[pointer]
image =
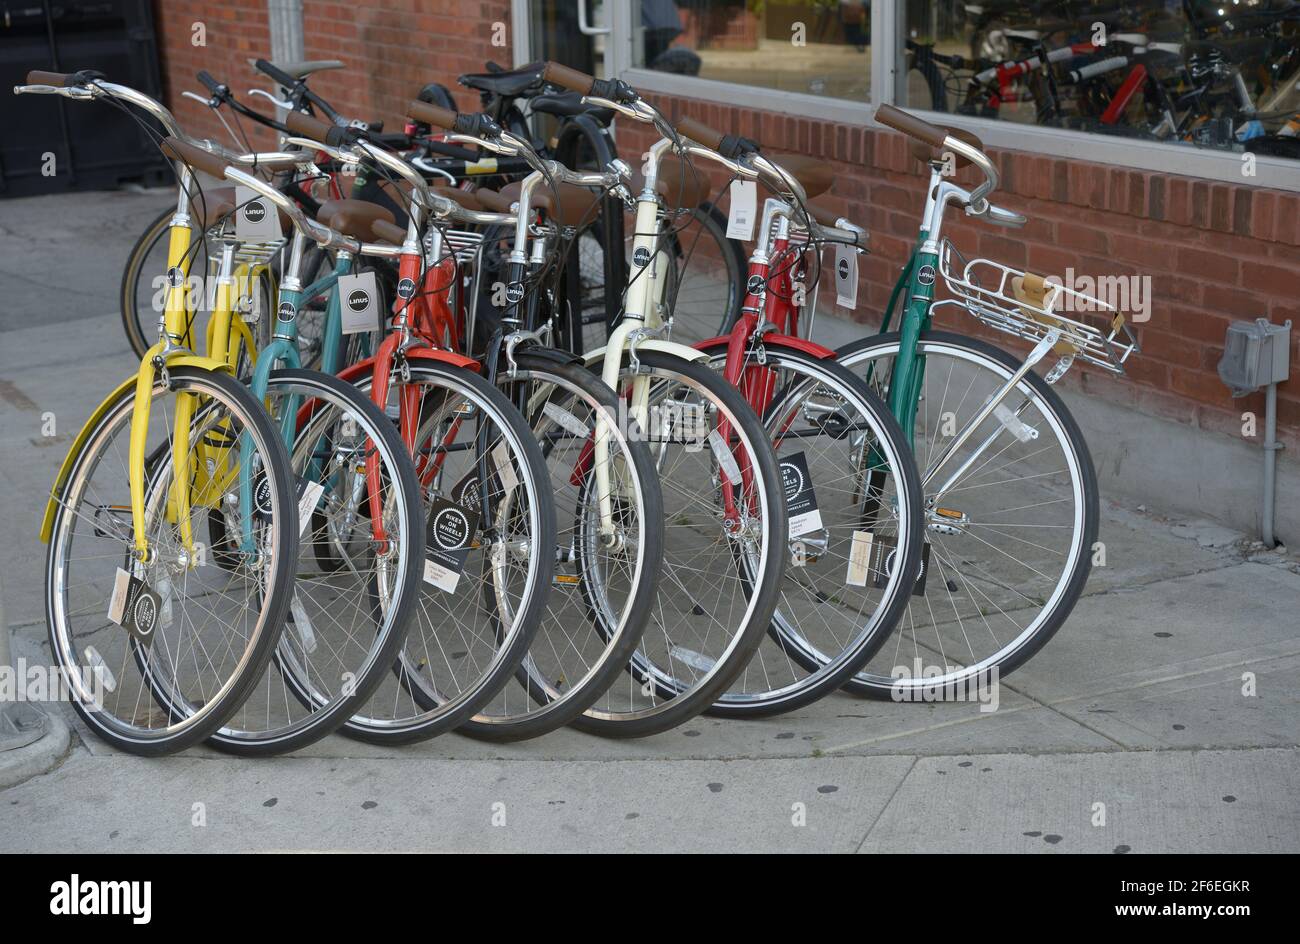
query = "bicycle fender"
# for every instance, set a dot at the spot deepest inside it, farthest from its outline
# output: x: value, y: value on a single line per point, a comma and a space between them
x: 594, y: 358
x: 184, y: 360
x: 803, y: 345
x: 47, y: 522
x: 552, y: 354
x: 362, y: 367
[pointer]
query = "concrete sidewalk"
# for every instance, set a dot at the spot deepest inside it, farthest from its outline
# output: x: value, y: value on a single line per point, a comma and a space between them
x: 1131, y: 731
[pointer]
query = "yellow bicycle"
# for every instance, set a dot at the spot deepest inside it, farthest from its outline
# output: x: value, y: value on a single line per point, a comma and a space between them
x: 168, y: 574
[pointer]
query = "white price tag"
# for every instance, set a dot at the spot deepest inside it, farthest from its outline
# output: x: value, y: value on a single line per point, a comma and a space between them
x: 744, y: 206
x: 256, y: 218
x: 359, y: 299
x: 846, y: 277
x: 726, y: 461
x: 859, y: 559
x: 311, y: 493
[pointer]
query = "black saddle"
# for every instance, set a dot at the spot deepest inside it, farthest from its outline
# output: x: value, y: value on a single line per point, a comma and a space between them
x: 569, y: 105
x: 508, y: 83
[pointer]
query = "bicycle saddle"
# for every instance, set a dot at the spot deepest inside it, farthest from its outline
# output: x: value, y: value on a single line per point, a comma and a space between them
x: 569, y: 204
x: 355, y: 218
x: 814, y: 175
x: 508, y: 83
x: 569, y: 105
x: 300, y: 70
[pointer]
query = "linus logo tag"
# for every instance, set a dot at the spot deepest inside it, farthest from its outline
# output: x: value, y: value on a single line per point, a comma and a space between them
x: 76, y: 897
x: 255, y: 212
x: 358, y: 300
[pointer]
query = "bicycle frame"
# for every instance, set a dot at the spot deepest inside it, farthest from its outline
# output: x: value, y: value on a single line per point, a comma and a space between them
x: 640, y: 326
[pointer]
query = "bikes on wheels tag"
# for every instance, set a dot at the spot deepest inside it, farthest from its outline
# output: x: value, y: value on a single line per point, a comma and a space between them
x: 134, y: 606
x: 800, y: 499
x: 448, y: 540
x: 884, y: 556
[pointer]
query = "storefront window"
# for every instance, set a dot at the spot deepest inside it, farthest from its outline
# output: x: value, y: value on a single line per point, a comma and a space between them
x: 1222, y: 74
x: 818, y: 47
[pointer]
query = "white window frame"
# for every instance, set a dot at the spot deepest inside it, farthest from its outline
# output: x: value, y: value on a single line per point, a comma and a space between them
x: 1205, y: 163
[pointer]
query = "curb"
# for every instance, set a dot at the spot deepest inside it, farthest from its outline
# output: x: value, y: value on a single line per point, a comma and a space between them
x: 38, y: 757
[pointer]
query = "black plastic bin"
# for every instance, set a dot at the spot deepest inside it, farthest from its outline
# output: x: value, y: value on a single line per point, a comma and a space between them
x: 95, y: 146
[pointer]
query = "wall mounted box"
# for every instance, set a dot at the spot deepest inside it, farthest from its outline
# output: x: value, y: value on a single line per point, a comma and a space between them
x: 1255, y: 354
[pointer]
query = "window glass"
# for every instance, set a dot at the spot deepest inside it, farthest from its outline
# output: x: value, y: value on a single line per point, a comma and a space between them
x: 818, y: 47
x: 1223, y: 74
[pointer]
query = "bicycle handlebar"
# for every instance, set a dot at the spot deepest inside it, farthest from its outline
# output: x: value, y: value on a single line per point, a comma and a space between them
x: 911, y: 125
x: 698, y: 131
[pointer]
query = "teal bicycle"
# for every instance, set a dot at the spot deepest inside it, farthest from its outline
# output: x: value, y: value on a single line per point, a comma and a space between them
x: 1011, y: 497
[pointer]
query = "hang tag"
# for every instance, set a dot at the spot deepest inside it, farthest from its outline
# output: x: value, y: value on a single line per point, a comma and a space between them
x: 134, y: 606
x: 726, y: 461
x: 744, y: 206
x: 846, y: 277
x: 449, y: 537
x: 859, y: 559
x: 466, y: 491
x: 256, y: 219
x: 309, y: 494
x: 359, y: 300
x: 884, y: 557
x: 800, y: 499
x: 563, y: 418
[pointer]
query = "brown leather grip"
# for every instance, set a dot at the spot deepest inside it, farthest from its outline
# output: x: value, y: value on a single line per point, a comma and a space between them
x: 57, y: 79
x: 493, y: 202
x: 196, y: 157
x: 564, y: 77
x: 697, y: 131
x: 910, y: 125
x: 389, y: 232
x: 306, y: 126
x: 433, y: 115
x: 822, y: 215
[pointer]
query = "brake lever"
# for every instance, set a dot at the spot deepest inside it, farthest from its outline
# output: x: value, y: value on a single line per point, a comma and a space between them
x: 278, y: 103
x: 195, y: 96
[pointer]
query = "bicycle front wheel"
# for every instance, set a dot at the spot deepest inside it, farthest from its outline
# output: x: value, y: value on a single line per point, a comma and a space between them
x: 1011, y: 519
x: 607, y: 570
x: 724, y: 548
x: 856, y: 535
x: 484, y: 484
x: 358, y: 572
x: 203, y: 627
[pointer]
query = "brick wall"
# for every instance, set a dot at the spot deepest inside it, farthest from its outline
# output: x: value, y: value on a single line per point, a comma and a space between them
x: 1214, y: 251
x: 390, y: 51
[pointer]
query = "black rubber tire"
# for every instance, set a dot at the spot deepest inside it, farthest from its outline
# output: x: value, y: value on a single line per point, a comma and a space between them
x: 562, y: 711
x: 670, y: 713
x: 327, y: 721
x: 508, y: 664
